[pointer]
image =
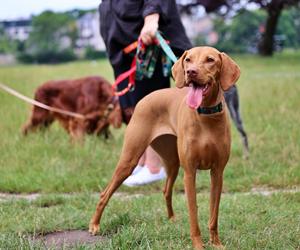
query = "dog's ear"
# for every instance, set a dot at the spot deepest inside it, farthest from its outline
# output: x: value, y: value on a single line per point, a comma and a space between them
x: 178, y: 71
x: 230, y: 72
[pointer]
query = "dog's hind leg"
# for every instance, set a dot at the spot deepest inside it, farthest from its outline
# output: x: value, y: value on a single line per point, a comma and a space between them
x: 166, y: 147
x: 135, y: 143
x: 40, y: 118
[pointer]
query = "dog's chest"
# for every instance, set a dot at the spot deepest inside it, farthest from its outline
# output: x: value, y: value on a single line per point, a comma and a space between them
x: 205, y: 147
x: 206, y: 153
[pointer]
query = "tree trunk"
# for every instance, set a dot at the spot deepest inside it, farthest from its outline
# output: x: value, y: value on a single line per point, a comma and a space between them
x: 266, y: 45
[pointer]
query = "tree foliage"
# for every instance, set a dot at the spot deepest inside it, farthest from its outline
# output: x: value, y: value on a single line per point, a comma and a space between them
x: 6, y: 44
x: 273, y: 9
x: 52, y: 34
x: 49, y: 29
x: 243, y: 32
x: 289, y: 26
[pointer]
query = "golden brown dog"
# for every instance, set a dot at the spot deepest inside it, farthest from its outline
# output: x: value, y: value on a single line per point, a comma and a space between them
x: 187, y: 127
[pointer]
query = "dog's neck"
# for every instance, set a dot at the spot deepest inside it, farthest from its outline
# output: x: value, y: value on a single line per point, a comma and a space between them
x: 210, y: 110
x: 215, y: 97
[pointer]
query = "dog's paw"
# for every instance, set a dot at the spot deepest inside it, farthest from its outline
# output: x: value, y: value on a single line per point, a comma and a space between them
x: 246, y: 155
x: 215, y: 240
x: 172, y: 218
x: 217, y: 245
x: 197, y: 243
x: 93, y: 228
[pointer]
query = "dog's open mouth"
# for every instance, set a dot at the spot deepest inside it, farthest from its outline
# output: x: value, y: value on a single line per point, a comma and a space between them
x: 196, y: 94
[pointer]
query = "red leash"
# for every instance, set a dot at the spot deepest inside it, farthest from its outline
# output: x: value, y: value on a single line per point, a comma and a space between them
x: 128, y: 74
x: 132, y: 71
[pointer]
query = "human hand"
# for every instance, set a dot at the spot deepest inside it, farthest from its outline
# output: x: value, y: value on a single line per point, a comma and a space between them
x: 149, y: 29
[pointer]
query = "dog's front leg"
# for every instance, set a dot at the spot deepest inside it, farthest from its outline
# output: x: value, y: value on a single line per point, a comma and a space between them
x: 76, y: 131
x: 190, y: 190
x: 216, y: 176
x: 123, y: 170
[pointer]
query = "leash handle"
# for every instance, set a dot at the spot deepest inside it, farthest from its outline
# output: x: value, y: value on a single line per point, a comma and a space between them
x: 39, y: 104
x: 131, y: 73
x: 166, y: 48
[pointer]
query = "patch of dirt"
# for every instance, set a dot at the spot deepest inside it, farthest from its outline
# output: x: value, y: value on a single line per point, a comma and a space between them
x: 59, y: 240
x: 35, y: 196
x: 269, y: 191
x: 29, y: 197
x: 265, y: 191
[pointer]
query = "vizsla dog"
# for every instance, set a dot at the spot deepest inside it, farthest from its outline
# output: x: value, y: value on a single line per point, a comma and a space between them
x: 185, y: 126
x: 90, y: 96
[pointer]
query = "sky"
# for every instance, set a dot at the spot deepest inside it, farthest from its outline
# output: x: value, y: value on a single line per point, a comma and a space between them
x: 12, y: 9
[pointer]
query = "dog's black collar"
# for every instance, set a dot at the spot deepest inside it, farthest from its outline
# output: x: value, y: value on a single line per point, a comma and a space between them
x: 210, y: 110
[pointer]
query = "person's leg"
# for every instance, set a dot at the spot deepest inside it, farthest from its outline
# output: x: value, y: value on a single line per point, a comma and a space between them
x: 152, y: 161
x: 152, y: 167
x: 151, y: 171
x: 142, y: 159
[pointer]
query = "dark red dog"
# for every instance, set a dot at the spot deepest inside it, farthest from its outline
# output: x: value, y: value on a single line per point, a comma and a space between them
x: 90, y: 96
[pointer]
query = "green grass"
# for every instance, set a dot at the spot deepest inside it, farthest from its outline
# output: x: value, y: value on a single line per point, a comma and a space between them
x: 246, y: 221
x: 47, y: 162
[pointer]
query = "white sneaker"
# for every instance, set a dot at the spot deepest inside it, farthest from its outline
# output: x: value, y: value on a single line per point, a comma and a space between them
x: 144, y: 176
x: 137, y: 169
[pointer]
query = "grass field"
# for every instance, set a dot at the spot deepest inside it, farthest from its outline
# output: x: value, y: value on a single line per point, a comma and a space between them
x: 47, y: 163
x: 246, y: 222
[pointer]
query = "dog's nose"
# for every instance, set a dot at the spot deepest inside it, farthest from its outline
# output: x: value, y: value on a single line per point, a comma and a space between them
x: 191, y: 72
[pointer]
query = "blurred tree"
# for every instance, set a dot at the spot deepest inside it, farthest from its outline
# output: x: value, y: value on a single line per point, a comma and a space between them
x: 289, y: 26
x: 241, y: 33
x: 52, y: 38
x: 51, y: 31
x: 6, y: 44
x: 273, y: 9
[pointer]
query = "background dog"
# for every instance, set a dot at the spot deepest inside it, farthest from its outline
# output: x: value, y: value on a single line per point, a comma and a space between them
x: 90, y: 96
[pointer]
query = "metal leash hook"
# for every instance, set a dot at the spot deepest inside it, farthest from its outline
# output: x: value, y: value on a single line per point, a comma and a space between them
x: 132, y: 87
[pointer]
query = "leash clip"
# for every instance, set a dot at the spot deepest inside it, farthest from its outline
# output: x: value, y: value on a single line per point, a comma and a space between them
x: 131, y: 87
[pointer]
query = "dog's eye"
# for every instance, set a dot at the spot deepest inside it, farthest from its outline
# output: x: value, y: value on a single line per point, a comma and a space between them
x: 187, y: 59
x: 210, y: 59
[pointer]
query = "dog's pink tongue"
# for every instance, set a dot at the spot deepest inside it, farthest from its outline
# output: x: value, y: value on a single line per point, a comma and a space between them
x: 194, y: 97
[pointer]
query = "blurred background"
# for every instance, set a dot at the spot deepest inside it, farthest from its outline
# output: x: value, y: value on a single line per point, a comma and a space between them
x: 59, y: 31
x: 260, y: 205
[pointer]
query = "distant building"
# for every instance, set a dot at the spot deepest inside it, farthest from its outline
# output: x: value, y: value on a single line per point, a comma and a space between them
x: 17, y: 29
x: 196, y: 26
x: 89, y: 32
